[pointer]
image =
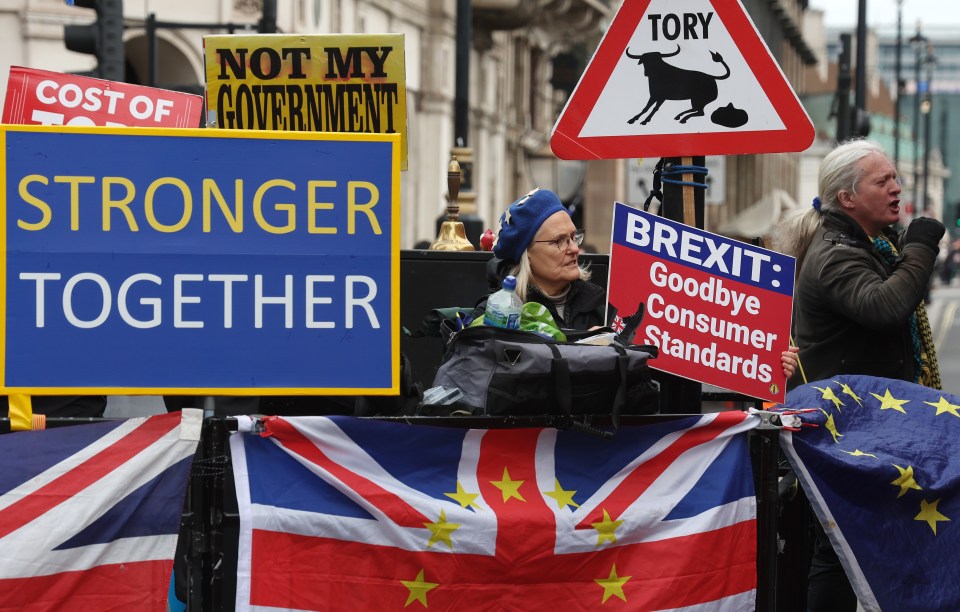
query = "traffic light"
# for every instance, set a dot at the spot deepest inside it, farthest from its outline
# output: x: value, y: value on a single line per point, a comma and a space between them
x: 859, y: 122
x: 102, y: 38
x: 268, y: 19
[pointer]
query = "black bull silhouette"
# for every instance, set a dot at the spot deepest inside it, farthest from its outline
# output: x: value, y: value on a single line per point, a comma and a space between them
x: 672, y: 83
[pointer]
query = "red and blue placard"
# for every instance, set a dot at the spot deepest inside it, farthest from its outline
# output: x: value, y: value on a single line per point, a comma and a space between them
x: 718, y: 309
x: 163, y: 261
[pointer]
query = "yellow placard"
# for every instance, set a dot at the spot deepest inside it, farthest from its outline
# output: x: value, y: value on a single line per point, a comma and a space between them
x: 308, y: 83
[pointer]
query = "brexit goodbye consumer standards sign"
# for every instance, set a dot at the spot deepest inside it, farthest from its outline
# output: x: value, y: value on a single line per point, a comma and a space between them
x: 198, y: 261
x: 718, y: 309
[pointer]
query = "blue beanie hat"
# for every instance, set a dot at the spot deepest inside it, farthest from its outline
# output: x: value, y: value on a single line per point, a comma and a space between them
x: 520, y: 223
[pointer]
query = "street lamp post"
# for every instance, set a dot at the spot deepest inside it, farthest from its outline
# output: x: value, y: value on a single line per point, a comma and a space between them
x: 918, y: 41
x: 461, y: 152
x: 843, y: 89
x: 926, y: 109
x: 860, y: 95
x: 899, y: 79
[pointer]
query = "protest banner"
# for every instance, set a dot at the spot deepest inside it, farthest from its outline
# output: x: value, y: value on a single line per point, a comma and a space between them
x: 313, y: 83
x: 718, y: 309
x: 877, y: 456
x: 41, y: 97
x: 224, y: 265
x: 359, y: 514
x: 89, y: 515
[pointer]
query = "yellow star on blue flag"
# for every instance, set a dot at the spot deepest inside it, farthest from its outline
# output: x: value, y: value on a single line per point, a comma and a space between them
x: 889, y: 402
x: 895, y: 527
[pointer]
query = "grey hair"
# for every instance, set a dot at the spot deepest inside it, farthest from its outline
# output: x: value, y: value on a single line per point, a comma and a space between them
x: 839, y: 171
x: 524, y: 275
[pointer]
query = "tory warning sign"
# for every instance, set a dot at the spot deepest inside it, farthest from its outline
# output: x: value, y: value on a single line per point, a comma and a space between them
x: 681, y: 78
x: 718, y: 309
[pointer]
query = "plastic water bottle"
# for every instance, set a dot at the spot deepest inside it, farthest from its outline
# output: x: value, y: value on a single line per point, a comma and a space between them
x: 503, y: 307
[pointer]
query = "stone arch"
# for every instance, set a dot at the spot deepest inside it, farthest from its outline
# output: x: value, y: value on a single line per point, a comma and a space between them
x: 179, y: 63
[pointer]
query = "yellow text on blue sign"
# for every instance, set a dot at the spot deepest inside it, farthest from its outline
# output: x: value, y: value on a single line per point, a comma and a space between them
x: 227, y: 262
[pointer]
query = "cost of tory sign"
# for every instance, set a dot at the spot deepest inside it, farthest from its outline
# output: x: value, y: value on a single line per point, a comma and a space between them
x: 95, y: 100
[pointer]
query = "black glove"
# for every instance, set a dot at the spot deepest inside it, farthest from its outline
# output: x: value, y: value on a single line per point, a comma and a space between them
x: 925, y: 231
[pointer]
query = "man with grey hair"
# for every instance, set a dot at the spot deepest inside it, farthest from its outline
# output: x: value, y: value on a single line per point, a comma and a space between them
x: 859, y: 299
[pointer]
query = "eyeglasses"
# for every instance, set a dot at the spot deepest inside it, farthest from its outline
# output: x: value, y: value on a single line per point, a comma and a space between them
x: 563, y: 242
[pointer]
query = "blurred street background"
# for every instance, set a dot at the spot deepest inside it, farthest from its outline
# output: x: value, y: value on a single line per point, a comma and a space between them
x: 942, y: 311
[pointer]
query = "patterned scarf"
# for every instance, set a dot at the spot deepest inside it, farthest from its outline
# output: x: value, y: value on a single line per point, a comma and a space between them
x: 924, y: 352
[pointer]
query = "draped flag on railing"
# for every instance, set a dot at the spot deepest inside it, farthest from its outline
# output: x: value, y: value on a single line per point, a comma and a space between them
x: 882, y: 472
x: 89, y: 514
x: 348, y: 514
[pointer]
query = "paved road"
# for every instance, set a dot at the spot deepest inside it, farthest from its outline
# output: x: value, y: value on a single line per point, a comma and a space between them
x: 945, y: 324
x: 128, y: 406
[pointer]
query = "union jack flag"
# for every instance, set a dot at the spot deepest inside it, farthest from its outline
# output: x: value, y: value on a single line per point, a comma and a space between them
x: 618, y: 324
x: 341, y: 513
x: 89, y: 514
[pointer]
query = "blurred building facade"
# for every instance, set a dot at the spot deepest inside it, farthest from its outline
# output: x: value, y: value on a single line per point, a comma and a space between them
x: 939, y: 61
x: 752, y: 180
x: 525, y: 58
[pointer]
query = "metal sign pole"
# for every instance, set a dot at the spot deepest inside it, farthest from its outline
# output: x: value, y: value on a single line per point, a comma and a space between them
x: 683, y: 203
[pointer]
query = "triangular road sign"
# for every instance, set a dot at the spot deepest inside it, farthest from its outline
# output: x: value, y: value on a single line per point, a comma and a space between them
x: 675, y: 78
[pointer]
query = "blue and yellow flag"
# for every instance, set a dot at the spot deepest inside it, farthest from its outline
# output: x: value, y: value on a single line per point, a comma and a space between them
x: 883, y: 475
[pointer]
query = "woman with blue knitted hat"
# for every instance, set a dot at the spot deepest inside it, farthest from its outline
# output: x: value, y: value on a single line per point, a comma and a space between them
x: 538, y: 243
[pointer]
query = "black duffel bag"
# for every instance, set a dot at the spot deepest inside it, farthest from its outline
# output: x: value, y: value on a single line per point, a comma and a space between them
x: 510, y: 372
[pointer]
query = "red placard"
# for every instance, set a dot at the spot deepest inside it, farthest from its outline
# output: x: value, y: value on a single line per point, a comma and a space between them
x: 40, y: 97
x: 718, y: 309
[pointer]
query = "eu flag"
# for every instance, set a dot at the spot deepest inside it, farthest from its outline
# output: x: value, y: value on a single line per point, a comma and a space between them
x: 883, y: 475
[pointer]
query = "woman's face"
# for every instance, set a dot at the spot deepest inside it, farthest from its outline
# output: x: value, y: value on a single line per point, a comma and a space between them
x: 553, y: 269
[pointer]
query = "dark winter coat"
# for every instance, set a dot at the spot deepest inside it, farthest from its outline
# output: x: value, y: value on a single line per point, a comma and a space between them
x: 851, y: 309
x: 585, y: 306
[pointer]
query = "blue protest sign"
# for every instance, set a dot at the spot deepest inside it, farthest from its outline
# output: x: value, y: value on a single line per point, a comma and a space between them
x: 198, y: 261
